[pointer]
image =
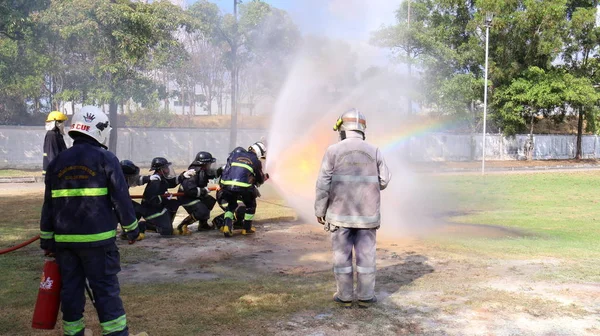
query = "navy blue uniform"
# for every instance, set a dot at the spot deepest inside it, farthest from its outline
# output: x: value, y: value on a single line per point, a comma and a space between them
x: 241, y: 175
x: 158, y: 211
x: 196, y: 200
x: 86, y: 195
x: 53, y: 145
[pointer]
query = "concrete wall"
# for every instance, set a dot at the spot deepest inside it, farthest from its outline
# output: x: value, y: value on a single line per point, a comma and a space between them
x: 21, y: 146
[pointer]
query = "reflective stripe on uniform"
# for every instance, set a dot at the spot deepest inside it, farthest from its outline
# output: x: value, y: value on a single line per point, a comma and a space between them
x: 79, y: 192
x: 342, y: 270
x: 361, y: 269
x: 46, y: 234
x: 353, y: 219
x: 248, y: 217
x: 131, y: 227
x: 236, y: 183
x: 72, y: 328
x: 115, y: 325
x: 84, y: 238
x: 156, y: 214
x: 45, y: 154
x: 229, y: 214
x: 191, y: 203
x: 355, y: 178
x: 243, y: 165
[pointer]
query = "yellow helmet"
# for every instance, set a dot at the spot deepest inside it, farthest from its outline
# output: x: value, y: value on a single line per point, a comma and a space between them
x: 56, y: 116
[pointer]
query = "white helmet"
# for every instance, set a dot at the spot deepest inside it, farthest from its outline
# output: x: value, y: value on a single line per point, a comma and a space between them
x: 351, y: 120
x: 259, y: 148
x: 92, y: 122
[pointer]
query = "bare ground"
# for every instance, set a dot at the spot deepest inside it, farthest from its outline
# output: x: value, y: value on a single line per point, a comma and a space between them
x: 421, y: 292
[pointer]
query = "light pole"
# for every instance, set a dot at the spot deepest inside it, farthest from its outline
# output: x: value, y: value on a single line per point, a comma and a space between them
x: 488, y: 23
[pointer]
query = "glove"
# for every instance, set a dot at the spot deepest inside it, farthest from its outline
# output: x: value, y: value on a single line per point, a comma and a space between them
x: 321, y: 220
x: 266, y: 176
x: 155, y: 177
x: 48, y: 246
x: 169, y: 196
x: 189, y: 173
x: 219, y: 171
x: 202, y: 191
x: 132, y: 236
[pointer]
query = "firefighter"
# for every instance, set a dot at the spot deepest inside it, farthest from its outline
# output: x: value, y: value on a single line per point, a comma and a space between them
x: 240, y: 179
x: 85, y: 188
x: 133, y: 178
x: 158, y: 206
x: 197, y: 202
x: 352, y: 174
x: 53, y: 142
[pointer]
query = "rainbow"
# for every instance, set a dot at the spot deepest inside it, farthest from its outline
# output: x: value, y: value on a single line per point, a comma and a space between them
x: 389, y: 142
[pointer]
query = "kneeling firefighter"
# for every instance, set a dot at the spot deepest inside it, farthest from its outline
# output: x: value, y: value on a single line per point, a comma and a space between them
x: 134, y: 179
x: 241, y: 176
x: 159, y: 211
x: 196, y: 200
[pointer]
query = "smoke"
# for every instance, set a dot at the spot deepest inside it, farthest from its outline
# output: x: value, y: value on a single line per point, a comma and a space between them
x: 327, y: 78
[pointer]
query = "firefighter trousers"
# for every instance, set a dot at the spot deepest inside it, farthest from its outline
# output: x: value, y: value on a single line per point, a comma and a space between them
x: 362, y: 241
x: 248, y: 197
x: 100, y: 266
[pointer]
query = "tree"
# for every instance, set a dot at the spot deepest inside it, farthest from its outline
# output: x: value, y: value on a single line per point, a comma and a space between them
x: 117, y: 39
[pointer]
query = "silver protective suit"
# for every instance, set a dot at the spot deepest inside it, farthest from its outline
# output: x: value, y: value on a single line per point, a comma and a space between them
x: 352, y: 174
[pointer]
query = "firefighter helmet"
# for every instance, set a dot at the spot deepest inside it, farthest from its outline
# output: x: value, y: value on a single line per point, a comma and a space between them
x: 129, y: 168
x: 92, y: 122
x: 259, y: 149
x: 56, y: 116
x: 203, y: 158
x: 351, y: 120
x: 158, y: 163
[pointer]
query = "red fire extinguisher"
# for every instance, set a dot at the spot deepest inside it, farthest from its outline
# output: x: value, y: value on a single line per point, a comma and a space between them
x: 48, y: 300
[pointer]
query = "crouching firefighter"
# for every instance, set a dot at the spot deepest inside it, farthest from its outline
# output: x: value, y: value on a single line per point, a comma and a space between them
x: 133, y: 178
x: 85, y: 188
x: 158, y: 210
x: 240, y: 179
x: 196, y: 200
x: 347, y: 202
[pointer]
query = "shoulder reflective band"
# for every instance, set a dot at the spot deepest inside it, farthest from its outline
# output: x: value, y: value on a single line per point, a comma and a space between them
x: 236, y: 164
x: 354, y: 178
x: 46, y: 234
x: 79, y: 192
x: 131, y: 227
x: 236, y: 183
x: 85, y: 238
x: 118, y: 324
x: 156, y: 214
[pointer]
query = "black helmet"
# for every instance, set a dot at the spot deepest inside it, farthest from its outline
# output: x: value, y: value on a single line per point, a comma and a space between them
x: 158, y: 163
x: 129, y: 168
x: 203, y: 158
x: 239, y: 150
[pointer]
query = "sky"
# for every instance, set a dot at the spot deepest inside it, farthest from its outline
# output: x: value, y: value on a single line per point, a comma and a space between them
x: 345, y: 19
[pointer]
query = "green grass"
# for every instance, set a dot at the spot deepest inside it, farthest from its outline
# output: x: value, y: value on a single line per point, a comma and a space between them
x: 19, y: 173
x: 560, y: 212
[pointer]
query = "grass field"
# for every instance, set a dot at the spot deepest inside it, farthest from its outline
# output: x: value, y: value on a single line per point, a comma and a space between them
x: 543, y: 281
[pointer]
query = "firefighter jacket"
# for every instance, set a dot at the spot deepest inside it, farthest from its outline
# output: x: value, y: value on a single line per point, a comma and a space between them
x: 242, y: 171
x: 350, y: 179
x: 152, y: 199
x: 193, y: 188
x: 86, y: 195
x: 53, y: 145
